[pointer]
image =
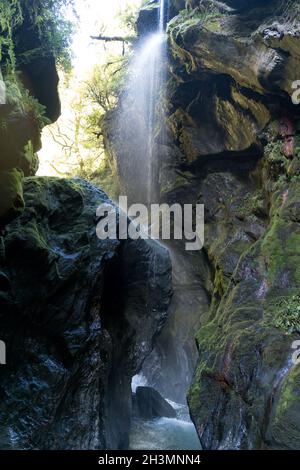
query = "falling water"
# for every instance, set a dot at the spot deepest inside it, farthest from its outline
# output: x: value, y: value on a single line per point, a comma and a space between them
x: 140, y: 120
x: 140, y: 114
x: 162, y: 16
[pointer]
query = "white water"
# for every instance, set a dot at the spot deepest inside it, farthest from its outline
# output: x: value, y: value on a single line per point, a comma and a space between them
x: 163, y: 433
x: 140, y: 118
x: 138, y: 381
x: 141, y: 112
x: 162, y: 16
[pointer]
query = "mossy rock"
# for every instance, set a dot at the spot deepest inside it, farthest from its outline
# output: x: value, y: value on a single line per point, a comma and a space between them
x: 11, y: 195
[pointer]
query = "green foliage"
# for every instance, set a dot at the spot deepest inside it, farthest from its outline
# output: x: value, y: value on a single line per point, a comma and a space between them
x: 128, y: 18
x: 81, y: 137
x: 10, y: 18
x: 297, y: 146
x: 281, y: 182
x: 282, y: 169
x: 250, y: 203
x: 100, y: 95
x: 47, y: 31
x: 22, y: 102
x: 103, y: 175
x: 287, y: 316
x: 274, y: 151
x: 276, y: 162
x: 104, y: 85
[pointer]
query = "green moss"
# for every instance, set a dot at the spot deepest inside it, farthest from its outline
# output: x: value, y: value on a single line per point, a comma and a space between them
x: 11, y: 195
x: 181, y: 180
x: 194, y: 21
x: 276, y: 161
x: 213, y: 25
x: 250, y: 203
x: 289, y: 394
x: 32, y: 232
x: 219, y: 283
x: 206, y: 333
x: 286, y: 314
x: 149, y: 6
x: 204, y: 15
x: 281, y: 249
x: 31, y: 158
x: 194, y: 393
x: 22, y: 102
x: 273, y: 151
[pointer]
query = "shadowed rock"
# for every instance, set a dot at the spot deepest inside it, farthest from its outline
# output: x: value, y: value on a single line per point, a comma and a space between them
x: 150, y: 404
x: 78, y: 316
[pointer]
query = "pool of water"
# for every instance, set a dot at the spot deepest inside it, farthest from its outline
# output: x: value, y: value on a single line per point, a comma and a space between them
x: 165, y: 433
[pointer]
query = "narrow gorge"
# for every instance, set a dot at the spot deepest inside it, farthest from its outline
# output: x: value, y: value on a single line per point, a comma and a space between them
x: 141, y: 344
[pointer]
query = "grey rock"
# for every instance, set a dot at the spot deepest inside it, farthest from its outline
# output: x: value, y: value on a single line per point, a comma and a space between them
x: 78, y: 316
x: 150, y: 404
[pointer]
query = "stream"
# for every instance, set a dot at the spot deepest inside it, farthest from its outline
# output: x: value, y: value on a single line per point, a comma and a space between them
x: 163, y: 433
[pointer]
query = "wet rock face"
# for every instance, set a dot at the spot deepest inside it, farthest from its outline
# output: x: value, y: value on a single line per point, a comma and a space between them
x: 148, y: 18
x: 78, y: 316
x: 229, y: 65
x: 40, y: 77
x: 229, y: 93
x: 245, y: 347
x: 170, y: 366
x: 240, y: 5
x: 243, y: 4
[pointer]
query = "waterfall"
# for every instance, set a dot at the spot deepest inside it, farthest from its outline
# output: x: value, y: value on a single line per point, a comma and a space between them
x: 140, y: 121
x: 140, y: 115
x: 162, y: 16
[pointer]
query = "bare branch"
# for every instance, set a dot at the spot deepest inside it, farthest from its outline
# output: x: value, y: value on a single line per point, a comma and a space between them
x: 111, y: 38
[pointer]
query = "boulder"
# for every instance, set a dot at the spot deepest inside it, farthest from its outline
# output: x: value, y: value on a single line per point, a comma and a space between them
x: 150, y: 404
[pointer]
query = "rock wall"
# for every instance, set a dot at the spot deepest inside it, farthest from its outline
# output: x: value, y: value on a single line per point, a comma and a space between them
x: 78, y: 316
x: 30, y: 99
x: 234, y: 134
x: 170, y: 366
